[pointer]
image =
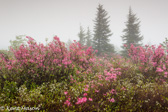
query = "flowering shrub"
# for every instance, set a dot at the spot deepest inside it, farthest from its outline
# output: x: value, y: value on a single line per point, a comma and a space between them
x: 152, y: 61
x: 38, y: 63
x: 53, y: 78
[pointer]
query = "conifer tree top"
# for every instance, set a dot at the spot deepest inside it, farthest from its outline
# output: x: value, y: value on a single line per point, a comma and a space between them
x: 102, y: 32
x: 131, y: 32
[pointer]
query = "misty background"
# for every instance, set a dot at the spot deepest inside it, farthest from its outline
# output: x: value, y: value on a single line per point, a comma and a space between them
x: 42, y: 19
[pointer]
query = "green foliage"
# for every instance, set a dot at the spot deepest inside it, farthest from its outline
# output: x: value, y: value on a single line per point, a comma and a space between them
x: 15, y: 44
x: 8, y: 93
x: 7, y: 54
x: 102, y: 32
x: 142, y: 97
x: 165, y: 44
x: 86, y: 86
x: 133, y: 93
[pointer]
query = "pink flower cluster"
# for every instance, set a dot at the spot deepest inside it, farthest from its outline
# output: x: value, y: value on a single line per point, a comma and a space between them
x: 112, y: 100
x: 83, y: 100
x: 150, y: 58
x: 67, y: 102
x: 53, y: 58
x: 148, y: 55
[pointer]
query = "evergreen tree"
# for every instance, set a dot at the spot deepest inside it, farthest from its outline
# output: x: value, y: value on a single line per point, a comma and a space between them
x: 81, y: 36
x: 88, y: 38
x: 102, y: 32
x: 132, y: 33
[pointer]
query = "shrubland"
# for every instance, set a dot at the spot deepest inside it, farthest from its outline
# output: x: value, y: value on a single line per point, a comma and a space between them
x: 55, y: 78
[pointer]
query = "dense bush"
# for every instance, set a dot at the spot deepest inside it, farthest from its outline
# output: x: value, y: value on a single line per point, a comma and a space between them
x: 37, y: 63
x: 152, y: 61
x: 56, y: 79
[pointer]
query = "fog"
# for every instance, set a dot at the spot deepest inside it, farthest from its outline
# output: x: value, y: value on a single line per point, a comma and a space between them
x: 42, y: 19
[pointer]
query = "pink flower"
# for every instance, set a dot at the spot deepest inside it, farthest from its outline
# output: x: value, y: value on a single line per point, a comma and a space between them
x: 165, y: 74
x: 104, y: 94
x: 96, y: 51
x: 30, y: 38
x: 56, y: 38
x: 112, y: 100
x: 146, y: 45
x: 159, y: 70
x: 65, y: 92
x: 86, y: 89
x: 85, y: 94
x: 69, y: 98
x: 90, y: 99
x: 112, y: 91
x: 125, y: 45
x: 96, y: 91
x: 84, y: 99
x: 81, y: 100
x: 67, y: 103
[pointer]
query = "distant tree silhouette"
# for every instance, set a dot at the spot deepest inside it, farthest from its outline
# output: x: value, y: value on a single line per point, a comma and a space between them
x: 131, y: 33
x: 88, y: 38
x: 81, y: 36
x: 102, y: 32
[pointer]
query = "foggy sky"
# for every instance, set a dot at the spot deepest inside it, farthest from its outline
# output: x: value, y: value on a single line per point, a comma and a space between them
x: 42, y: 19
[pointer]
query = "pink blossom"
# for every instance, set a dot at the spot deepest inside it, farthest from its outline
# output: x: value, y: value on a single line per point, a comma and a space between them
x: 56, y: 38
x: 112, y: 91
x: 87, y: 86
x: 86, y: 89
x: 81, y: 100
x: 96, y: 91
x: 164, y: 67
x: 67, y: 103
x: 90, y: 99
x: 112, y: 100
x: 85, y: 94
x: 96, y: 51
x: 146, y: 45
x: 159, y: 70
x: 65, y: 92
x: 165, y: 74
x: 125, y: 45
x: 104, y: 94
x: 69, y: 98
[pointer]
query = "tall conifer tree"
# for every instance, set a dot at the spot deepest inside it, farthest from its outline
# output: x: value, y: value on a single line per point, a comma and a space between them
x: 132, y: 33
x: 81, y: 36
x: 88, y: 38
x: 102, y: 32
